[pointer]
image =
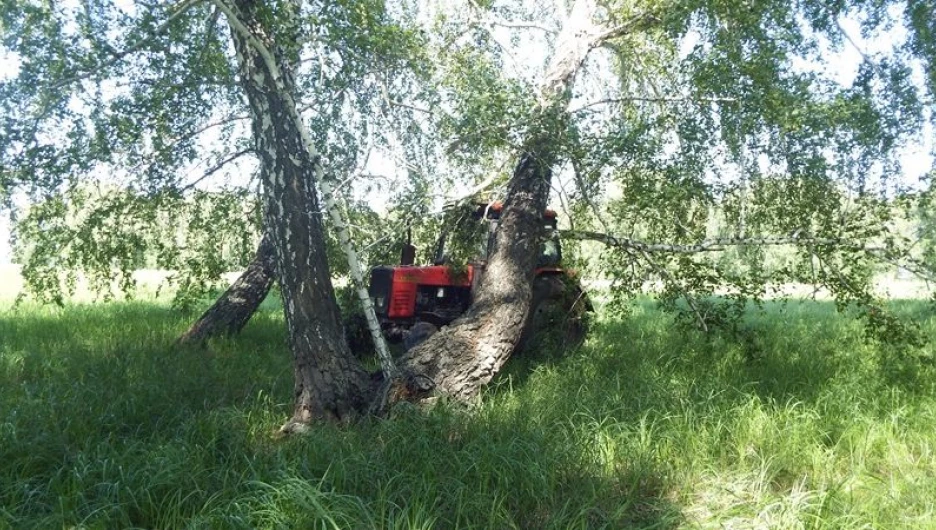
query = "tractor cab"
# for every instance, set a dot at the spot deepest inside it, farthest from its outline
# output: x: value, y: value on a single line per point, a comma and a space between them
x: 436, y: 294
x: 490, y: 213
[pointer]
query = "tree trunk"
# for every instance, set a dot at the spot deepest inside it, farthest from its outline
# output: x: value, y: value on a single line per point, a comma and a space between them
x: 463, y: 357
x: 330, y: 384
x: 233, y: 309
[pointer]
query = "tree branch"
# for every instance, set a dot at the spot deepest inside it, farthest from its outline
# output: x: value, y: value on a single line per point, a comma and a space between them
x: 708, y: 245
x: 911, y: 265
x: 478, y: 188
x: 215, y: 168
x: 651, y: 99
x: 620, y: 30
x: 494, y: 20
x: 519, y: 25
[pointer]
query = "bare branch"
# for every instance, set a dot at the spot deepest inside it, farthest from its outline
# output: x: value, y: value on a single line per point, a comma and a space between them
x: 215, y: 168
x: 494, y: 20
x: 479, y: 188
x: 486, y: 21
x: 210, y: 125
x: 652, y: 99
x: 638, y: 21
x: 559, y: 188
x: 861, y: 51
x: 153, y: 158
x: 519, y: 25
x: 910, y: 264
x: 410, y: 107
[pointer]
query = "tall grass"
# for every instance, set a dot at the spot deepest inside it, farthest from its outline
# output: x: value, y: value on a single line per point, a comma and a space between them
x: 798, y: 424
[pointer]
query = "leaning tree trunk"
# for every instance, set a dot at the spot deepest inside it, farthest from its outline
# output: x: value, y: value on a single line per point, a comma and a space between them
x: 233, y: 309
x: 463, y: 357
x: 329, y: 381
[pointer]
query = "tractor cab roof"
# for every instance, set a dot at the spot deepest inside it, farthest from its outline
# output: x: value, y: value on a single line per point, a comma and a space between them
x: 492, y: 210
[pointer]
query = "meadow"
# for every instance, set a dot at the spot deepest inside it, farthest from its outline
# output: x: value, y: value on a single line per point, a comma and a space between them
x: 798, y: 422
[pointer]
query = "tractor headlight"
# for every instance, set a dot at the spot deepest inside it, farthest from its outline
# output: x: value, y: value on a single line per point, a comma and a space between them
x: 379, y: 301
x: 440, y: 293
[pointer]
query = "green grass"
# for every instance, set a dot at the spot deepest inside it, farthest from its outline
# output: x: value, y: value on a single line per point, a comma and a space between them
x: 800, y: 425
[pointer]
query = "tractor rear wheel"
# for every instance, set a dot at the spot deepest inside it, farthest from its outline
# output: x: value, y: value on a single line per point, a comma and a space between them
x: 558, y: 316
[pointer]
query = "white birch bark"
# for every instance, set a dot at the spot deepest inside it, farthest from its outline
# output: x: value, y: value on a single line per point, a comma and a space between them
x: 357, y: 275
x: 344, y: 237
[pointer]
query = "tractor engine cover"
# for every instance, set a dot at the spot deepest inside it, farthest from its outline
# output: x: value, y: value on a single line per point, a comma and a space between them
x: 435, y: 294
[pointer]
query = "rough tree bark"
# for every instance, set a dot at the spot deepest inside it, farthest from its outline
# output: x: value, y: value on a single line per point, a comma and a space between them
x: 330, y: 384
x: 233, y: 309
x: 463, y: 357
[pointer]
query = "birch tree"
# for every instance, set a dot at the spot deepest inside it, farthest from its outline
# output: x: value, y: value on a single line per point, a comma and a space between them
x: 698, y: 89
x: 68, y: 51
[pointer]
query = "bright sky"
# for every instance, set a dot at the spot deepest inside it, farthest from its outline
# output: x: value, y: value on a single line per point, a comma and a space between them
x: 842, y: 67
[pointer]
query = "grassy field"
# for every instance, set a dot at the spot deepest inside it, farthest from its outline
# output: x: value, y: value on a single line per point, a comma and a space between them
x: 800, y: 424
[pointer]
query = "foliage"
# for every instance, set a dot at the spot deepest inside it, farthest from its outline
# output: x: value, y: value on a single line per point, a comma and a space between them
x: 691, y: 121
x: 923, y: 209
x: 647, y: 426
x: 108, y: 234
x: 465, y: 235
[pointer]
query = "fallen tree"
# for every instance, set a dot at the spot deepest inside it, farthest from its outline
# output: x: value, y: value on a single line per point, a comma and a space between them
x: 463, y: 357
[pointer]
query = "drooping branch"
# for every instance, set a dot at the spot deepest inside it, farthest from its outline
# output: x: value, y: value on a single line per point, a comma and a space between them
x: 882, y: 254
x: 708, y: 245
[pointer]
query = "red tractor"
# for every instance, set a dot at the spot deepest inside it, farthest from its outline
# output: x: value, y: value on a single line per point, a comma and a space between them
x: 412, y: 302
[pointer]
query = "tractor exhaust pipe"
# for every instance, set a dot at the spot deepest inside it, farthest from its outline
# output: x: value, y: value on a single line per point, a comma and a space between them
x: 408, y: 253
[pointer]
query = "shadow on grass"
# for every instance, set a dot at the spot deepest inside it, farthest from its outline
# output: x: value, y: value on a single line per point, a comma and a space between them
x: 672, y: 397
x: 113, y: 368
x: 102, y: 423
